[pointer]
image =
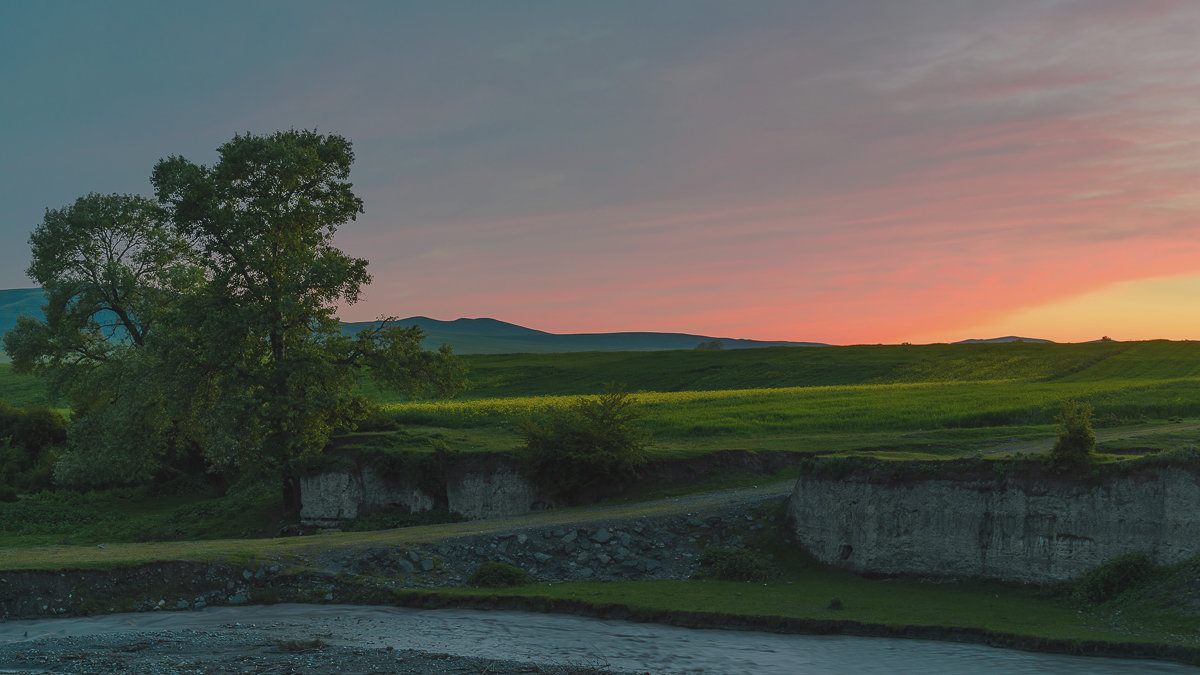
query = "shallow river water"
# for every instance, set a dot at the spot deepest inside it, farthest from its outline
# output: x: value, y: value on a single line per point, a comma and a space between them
x: 556, y: 638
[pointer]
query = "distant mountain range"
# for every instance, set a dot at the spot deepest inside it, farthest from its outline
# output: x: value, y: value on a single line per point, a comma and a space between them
x: 17, y: 301
x: 490, y: 336
x: 1007, y: 338
x: 476, y: 336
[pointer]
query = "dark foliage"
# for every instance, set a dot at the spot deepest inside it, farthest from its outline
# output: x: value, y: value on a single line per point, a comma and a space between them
x: 29, y: 437
x: 587, y: 449
x: 1076, y: 443
x: 733, y: 564
x: 1114, y: 578
x: 495, y: 574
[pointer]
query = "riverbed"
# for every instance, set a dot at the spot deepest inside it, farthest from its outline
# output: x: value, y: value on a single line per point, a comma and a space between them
x: 524, y: 637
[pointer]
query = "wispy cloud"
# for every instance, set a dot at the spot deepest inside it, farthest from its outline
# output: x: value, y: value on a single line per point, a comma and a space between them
x: 859, y: 171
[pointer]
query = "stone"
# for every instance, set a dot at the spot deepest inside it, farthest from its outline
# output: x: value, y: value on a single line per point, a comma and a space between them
x: 500, y: 493
x: 602, y: 536
x: 1029, y: 529
x: 569, y: 537
x: 427, y: 565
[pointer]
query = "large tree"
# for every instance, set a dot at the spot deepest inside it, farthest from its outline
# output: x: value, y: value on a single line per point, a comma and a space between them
x: 108, y: 265
x: 246, y: 354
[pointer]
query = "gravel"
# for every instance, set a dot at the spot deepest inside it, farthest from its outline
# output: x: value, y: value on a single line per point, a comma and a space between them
x: 240, y: 650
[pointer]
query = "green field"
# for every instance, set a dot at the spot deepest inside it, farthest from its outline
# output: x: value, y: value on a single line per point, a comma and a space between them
x: 934, y: 400
x: 931, y: 400
x: 897, y: 402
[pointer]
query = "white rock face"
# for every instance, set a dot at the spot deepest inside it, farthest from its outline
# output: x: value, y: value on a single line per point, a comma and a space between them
x: 501, y: 493
x: 328, y: 499
x: 1013, y: 529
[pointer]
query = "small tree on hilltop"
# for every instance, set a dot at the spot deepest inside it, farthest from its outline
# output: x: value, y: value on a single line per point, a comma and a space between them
x: 1076, y: 442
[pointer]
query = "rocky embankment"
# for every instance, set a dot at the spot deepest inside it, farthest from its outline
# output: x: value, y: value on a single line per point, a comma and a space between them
x: 665, y: 543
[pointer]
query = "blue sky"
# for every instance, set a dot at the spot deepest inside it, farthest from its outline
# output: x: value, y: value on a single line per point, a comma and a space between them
x: 852, y: 171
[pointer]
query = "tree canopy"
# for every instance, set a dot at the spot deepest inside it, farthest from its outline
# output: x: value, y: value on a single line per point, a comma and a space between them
x: 204, y: 322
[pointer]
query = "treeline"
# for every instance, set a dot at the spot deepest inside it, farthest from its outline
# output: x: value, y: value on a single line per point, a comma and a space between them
x: 195, y: 331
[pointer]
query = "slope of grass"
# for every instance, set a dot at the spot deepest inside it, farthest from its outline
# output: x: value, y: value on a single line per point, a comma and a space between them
x: 690, y: 370
x: 860, y: 408
x: 180, y: 511
x: 20, y: 389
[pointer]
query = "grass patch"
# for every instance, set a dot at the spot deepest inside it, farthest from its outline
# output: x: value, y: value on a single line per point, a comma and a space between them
x: 496, y: 574
x: 894, y: 602
x: 178, y: 511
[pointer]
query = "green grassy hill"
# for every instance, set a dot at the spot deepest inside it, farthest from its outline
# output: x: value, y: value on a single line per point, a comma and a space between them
x: 774, y: 367
x: 468, y: 336
x: 490, y: 336
x: 15, y: 302
x: 506, y: 375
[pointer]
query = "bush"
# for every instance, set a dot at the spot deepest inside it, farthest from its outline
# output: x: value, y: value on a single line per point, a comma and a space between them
x: 1076, y: 442
x: 30, y: 442
x: 1113, y: 578
x: 586, y: 449
x: 733, y: 564
x: 494, y: 574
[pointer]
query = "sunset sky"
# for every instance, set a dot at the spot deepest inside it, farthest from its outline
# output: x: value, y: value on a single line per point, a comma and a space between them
x: 850, y: 171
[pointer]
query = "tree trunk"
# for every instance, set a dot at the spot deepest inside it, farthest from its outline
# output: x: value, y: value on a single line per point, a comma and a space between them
x: 291, y: 492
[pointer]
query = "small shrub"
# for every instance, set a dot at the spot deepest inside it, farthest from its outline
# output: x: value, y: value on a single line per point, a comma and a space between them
x: 494, y: 574
x: 30, y: 439
x: 586, y: 449
x: 1076, y: 442
x: 1113, y: 578
x: 8, y: 493
x: 836, y: 603
x: 733, y: 564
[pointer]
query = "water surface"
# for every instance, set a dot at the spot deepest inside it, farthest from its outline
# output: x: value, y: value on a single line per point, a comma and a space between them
x: 557, y: 638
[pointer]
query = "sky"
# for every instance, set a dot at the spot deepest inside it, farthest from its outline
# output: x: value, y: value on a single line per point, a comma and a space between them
x: 840, y: 171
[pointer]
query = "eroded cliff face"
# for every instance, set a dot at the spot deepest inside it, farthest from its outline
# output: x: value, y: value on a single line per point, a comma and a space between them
x: 329, y: 499
x: 1028, y: 529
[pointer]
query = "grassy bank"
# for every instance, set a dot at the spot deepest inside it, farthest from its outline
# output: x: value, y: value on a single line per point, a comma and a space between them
x: 1156, y: 611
